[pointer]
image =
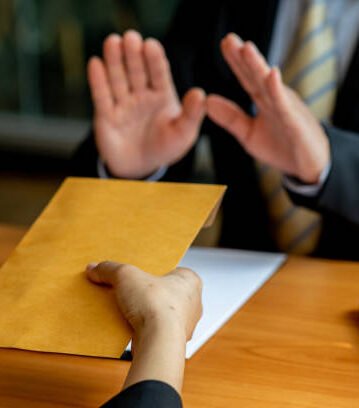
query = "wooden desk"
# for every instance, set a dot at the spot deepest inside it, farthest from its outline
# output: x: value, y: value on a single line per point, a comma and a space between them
x: 294, y: 344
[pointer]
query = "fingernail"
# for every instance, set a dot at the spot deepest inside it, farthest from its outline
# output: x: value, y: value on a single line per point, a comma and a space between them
x: 254, y: 47
x: 236, y: 38
x: 91, y: 266
x: 277, y: 71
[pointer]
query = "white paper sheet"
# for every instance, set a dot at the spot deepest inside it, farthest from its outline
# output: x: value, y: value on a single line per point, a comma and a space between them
x: 230, y: 277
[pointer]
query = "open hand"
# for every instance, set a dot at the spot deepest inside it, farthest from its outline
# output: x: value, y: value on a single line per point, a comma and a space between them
x: 140, y: 125
x: 284, y: 133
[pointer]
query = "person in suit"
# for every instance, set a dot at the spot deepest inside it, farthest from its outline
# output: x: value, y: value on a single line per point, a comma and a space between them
x: 163, y: 313
x: 322, y: 156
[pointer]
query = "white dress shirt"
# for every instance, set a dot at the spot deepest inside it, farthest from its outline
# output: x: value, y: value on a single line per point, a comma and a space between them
x: 343, y: 15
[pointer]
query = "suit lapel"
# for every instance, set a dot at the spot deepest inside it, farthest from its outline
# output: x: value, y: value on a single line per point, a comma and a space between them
x: 346, y: 115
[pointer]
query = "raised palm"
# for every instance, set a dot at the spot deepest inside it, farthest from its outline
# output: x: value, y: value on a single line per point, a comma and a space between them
x: 140, y: 125
x: 284, y: 133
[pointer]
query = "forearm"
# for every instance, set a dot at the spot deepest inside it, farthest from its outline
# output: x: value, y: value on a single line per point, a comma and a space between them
x: 159, y: 354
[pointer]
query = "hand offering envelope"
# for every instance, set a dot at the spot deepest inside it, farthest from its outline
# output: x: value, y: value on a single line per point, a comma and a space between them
x: 46, y: 302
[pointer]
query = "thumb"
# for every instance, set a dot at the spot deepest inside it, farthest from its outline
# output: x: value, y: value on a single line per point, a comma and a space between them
x: 230, y: 116
x: 193, y: 111
x: 103, y: 273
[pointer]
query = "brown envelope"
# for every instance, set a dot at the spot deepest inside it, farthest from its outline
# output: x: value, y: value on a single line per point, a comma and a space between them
x: 46, y: 302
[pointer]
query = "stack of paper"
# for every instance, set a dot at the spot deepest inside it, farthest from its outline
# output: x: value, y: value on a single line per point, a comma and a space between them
x: 230, y: 278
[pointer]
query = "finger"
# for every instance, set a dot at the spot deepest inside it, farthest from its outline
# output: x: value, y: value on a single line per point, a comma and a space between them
x: 277, y: 90
x: 190, y: 275
x: 159, y: 70
x: 135, y: 64
x: 233, y: 52
x: 99, y: 86
x: 114, y: 58
x: 256, y: 70
x: 103, y: 273
x: 231, y: 46
x: 193, y: 111
x: 229, y: 116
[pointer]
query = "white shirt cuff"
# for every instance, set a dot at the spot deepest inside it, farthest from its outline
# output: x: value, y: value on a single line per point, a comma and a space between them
x: 103, y: 173
x: 308, y: 190
x: 101, y: 169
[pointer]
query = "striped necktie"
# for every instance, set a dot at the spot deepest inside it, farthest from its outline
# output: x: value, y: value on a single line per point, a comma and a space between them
x: 311, y: 71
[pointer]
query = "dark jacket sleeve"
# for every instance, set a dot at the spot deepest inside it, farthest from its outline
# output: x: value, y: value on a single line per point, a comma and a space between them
x: 340, y: 194
x: 146, y: 394
x: 84, y: 161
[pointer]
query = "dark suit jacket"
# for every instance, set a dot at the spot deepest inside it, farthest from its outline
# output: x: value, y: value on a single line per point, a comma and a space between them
x: 193, y: 49
x: 146, y: 394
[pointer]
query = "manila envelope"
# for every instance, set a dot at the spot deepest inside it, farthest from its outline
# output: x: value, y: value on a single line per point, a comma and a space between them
x: 46, y: 302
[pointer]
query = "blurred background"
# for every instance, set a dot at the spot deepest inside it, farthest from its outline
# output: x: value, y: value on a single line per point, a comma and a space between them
x: 45, y: 109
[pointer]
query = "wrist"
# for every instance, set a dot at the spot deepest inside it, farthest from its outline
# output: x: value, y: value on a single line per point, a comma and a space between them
x: 159, y: 351
x: 158, y: 328
x: 311, y: 177
x: 105, y: 171
x: 296, y: 186
x: 312, y: 173
x: 316, y: 161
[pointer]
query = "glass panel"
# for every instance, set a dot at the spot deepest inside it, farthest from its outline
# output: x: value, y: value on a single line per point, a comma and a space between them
x: 44, y: 46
